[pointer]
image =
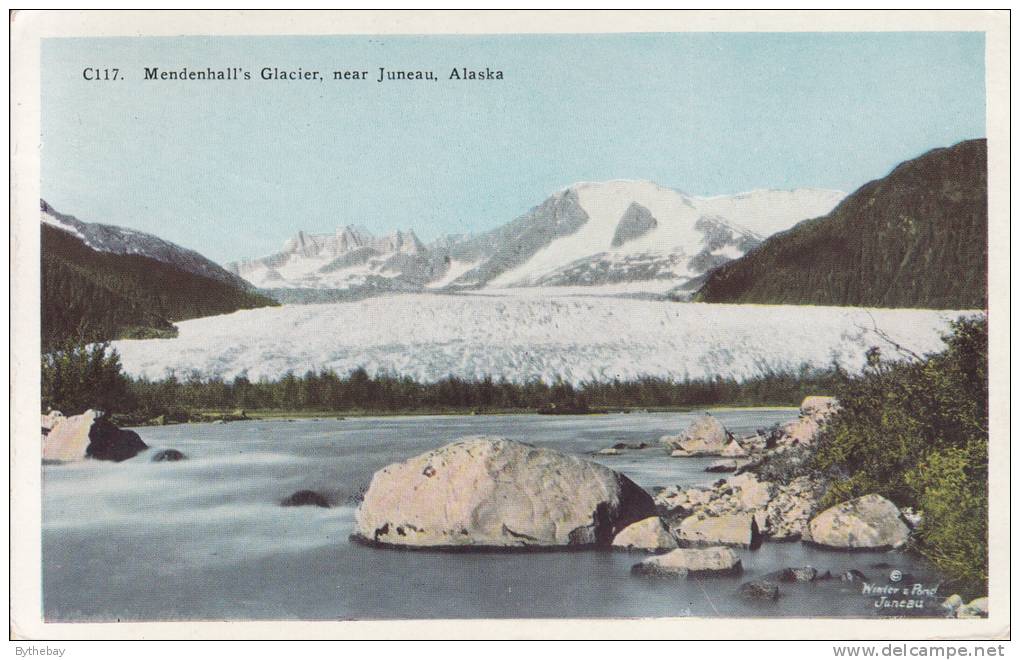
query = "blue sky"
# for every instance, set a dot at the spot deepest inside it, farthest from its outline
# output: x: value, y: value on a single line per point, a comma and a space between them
x: 232, y: 169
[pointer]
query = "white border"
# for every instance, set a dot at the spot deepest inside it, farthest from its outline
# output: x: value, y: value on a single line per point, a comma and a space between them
x: 28, y: 27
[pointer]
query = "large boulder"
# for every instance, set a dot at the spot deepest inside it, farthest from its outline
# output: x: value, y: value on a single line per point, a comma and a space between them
x: 109, y: 443
x: 491, y: 492
x: 89, y: 435
x: 737, y: 529
x: 690, y: 562
x: 648, y: 534
x: 705, y: 436
x: 866, y: 523
x: 68, y: 438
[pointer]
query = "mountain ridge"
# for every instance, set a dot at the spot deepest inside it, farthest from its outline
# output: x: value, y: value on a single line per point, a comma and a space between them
x: 916, y: 237
x: 123, y: 241
x: 585, y: 234
x: 90, y: 294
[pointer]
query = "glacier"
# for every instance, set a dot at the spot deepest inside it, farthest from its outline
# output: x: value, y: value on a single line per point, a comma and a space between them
x: 516, y: 335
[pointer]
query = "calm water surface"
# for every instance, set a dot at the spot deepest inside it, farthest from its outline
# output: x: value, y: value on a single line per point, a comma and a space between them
x: 206, y: 538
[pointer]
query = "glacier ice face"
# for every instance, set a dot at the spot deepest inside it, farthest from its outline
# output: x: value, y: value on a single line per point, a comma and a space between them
x: 519, y: 335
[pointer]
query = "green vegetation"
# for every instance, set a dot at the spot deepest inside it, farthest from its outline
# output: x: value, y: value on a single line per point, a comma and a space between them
x: 916, y: 238
x: 327, y: 392
x: 76, y: 377
x: 916, y: 431
x: 89, y: 295
x: 79, y: 384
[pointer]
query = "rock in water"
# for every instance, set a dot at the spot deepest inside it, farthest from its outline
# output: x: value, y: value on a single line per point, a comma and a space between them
x: 759, y: 590
x: 868, y: 522
x: 706, y: 436
x: 733, y: 450
x: 90, y: 435
x: 306, y: 498
x: 109, y: 443
x: 725, y: 465
x: 68, y: 438
x: 50, y: 419
x: 802, y: 574
x: 648, y: 534
x: 690, y: 562
x: 491, y: 492
x: 167, y: 456
x: 728, y: 529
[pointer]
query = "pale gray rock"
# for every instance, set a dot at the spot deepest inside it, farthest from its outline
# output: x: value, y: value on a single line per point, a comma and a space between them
x: 491, y: 492
x: 690, y: 562
x: 733, y: 450
x: 705, y: 436
x: 648, y: 534
x: 736, y: 529
x: 68, y: 439
x: 868, y: 522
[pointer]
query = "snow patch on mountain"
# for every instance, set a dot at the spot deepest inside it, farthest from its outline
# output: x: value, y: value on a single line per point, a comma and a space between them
x: 519, y: 337
x: 588, y: 234
x: 454, y: 270
x: 680, y: 231
x: 118, y: 240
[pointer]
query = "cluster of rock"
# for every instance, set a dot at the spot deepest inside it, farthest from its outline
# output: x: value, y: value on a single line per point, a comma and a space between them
x: 487, y: 492
x: 743, y: 509
x: 706, y: 436
x: 91, y: 435
x: 88, y: 435
x: 956, y: 608
x: 733, y: 510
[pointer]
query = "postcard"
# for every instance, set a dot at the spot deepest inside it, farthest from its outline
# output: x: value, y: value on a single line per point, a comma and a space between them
x: 518, y: 324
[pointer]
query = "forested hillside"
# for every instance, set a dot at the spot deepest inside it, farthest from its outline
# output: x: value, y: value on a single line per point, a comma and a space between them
x: 915, y: 238
x: 91, y: 295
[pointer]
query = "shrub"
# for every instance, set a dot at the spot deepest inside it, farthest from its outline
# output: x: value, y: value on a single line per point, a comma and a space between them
x: 916, y: 431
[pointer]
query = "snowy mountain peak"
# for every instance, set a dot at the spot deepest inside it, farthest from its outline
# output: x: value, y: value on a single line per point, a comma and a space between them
x: 349, y: 257
x: 590, y: 233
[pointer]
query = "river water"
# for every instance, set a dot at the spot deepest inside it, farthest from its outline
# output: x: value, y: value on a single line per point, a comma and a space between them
x: 206, y: 539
